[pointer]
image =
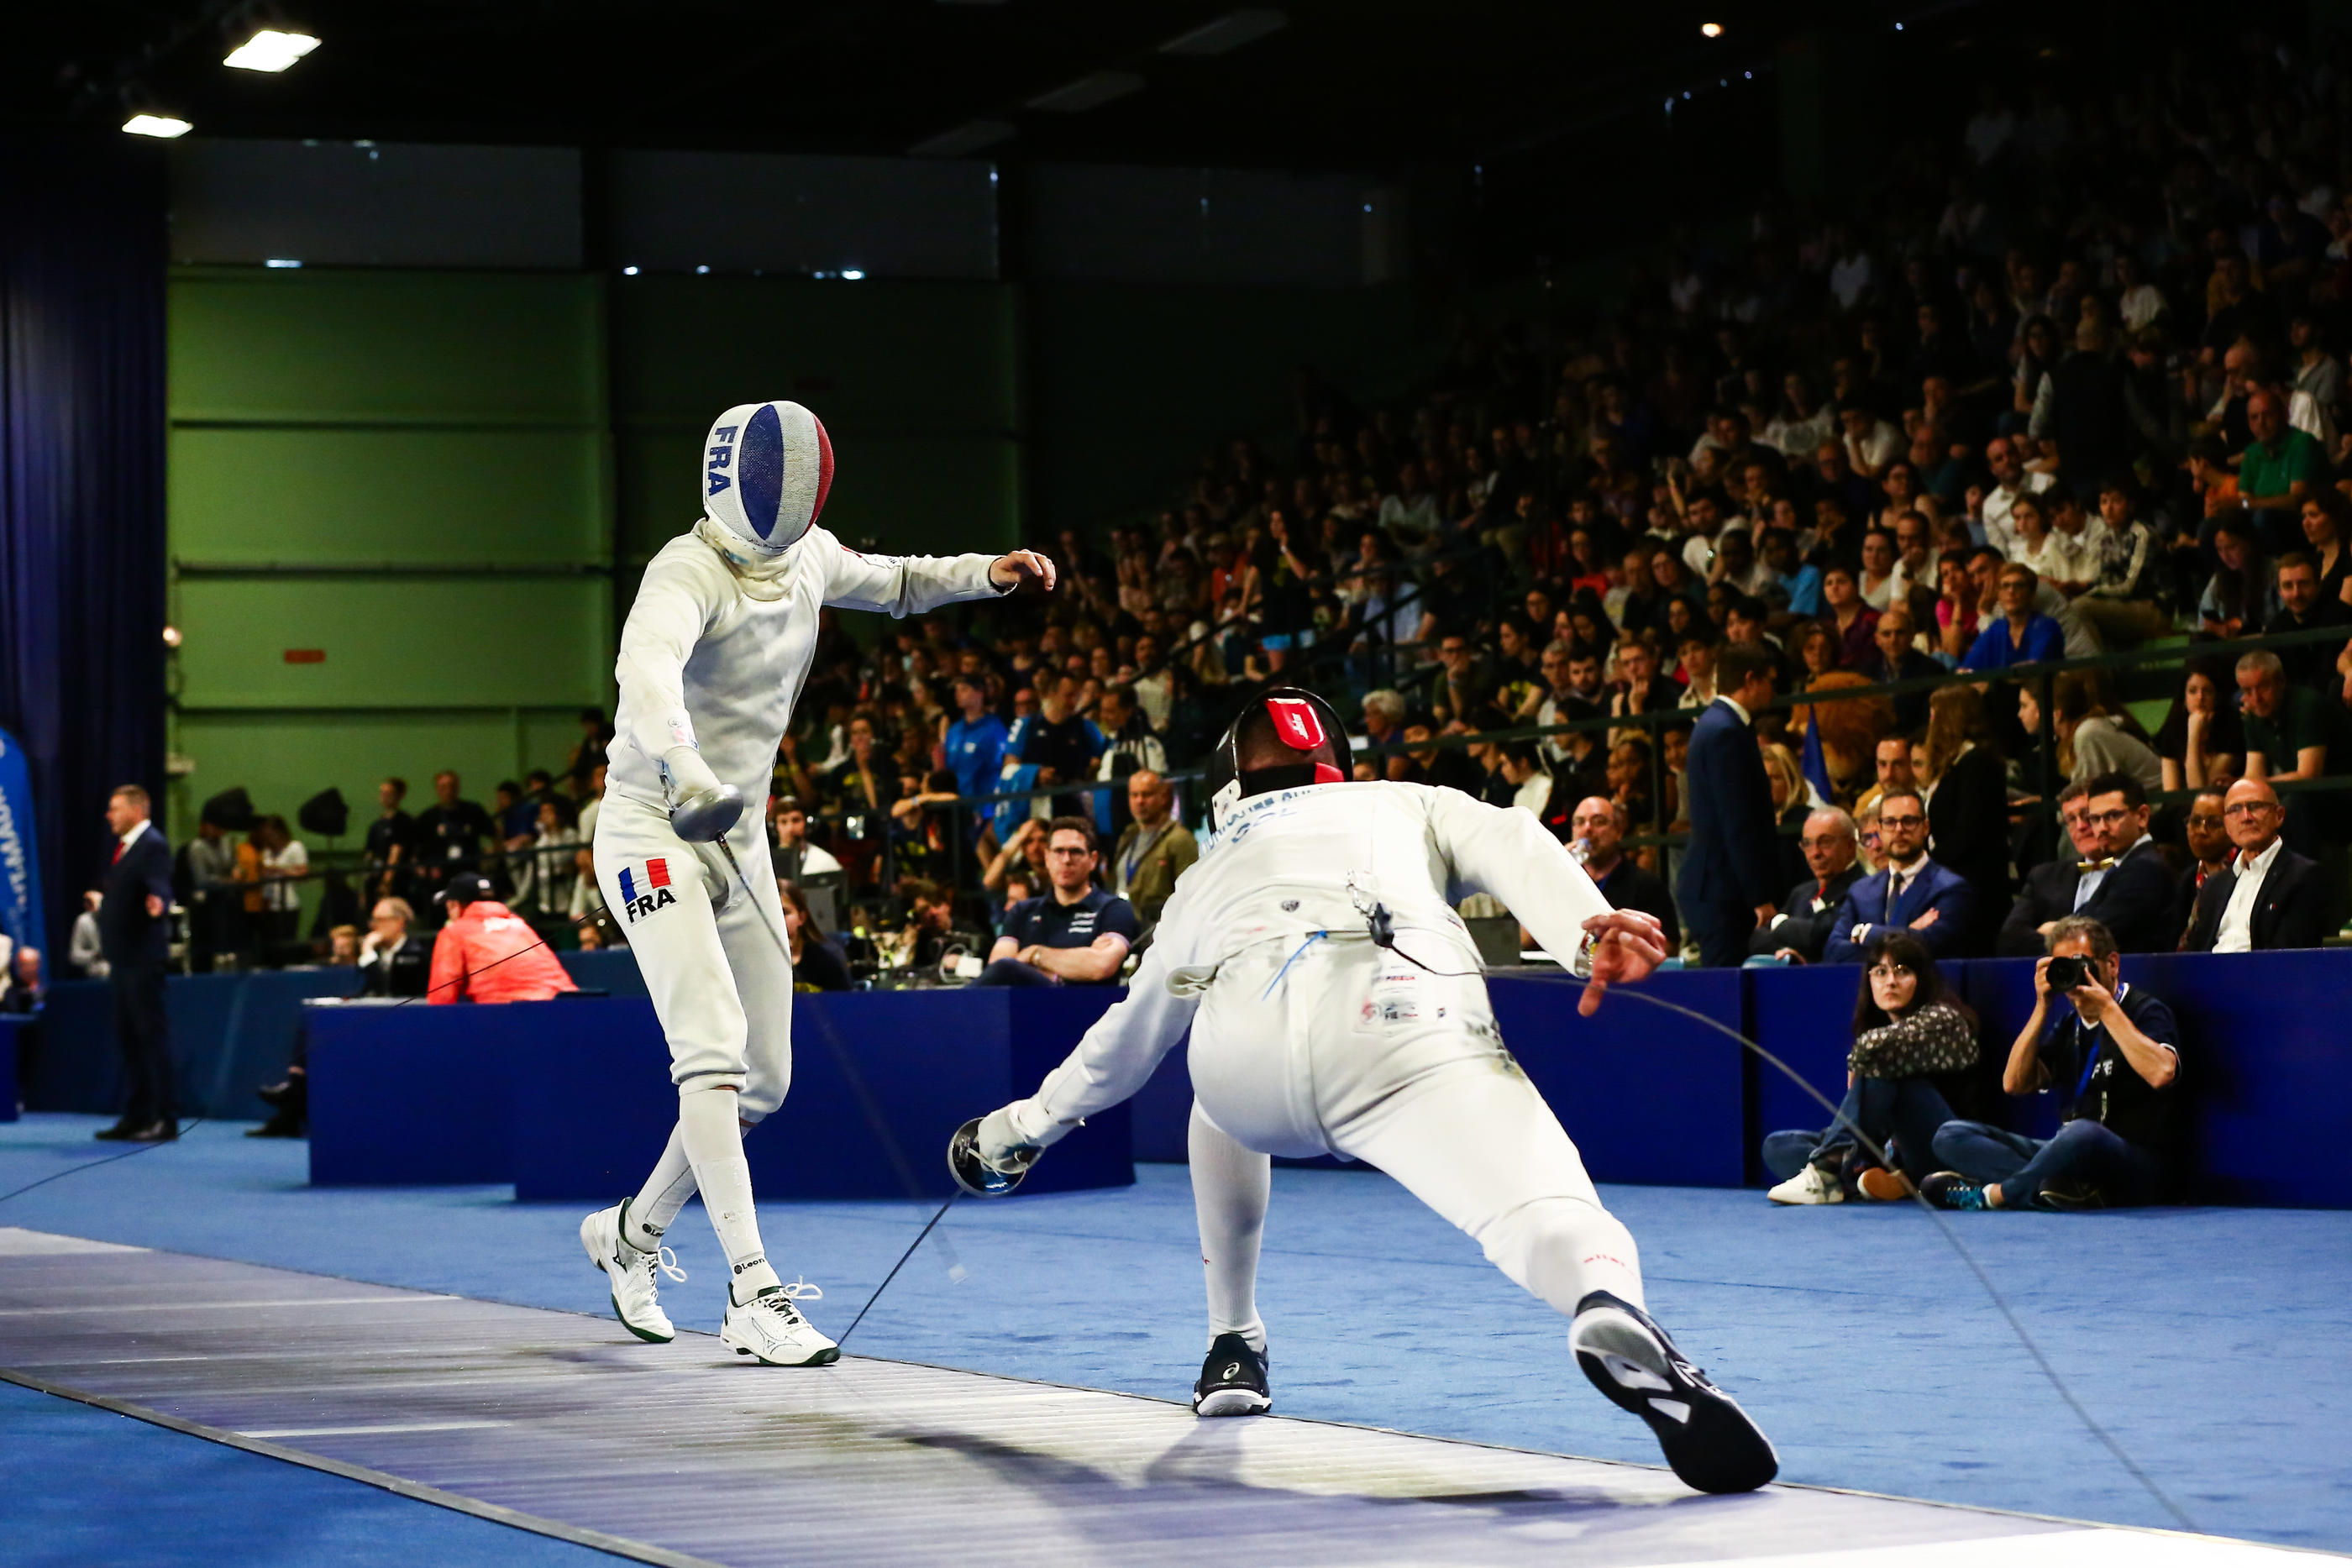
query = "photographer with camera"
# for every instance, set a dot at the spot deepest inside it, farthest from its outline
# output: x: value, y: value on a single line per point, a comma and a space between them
x: 2116, y: 1054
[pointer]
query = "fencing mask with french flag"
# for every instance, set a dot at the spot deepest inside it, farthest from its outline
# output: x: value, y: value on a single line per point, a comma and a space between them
x: 766, y: 469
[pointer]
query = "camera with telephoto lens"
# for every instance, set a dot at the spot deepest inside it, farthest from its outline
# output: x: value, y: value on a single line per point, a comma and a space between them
x: 2066, y: 973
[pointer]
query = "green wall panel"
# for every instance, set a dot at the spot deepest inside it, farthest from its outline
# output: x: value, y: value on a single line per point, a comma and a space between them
x: 409, y: 496
x: 894, y: 356
x: 393, y: 642
x: 409, y: 347
x: 283, y: 760
x: 910, y: 494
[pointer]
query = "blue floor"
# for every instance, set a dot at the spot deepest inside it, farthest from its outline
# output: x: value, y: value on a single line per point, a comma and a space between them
x: 2211, y: 1342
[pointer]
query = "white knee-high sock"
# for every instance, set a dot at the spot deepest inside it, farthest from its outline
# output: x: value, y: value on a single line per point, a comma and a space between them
x: 663, y: 1194
x: 1231, y: 1189
x: 1563, y: 1249
x: 713, y: 1140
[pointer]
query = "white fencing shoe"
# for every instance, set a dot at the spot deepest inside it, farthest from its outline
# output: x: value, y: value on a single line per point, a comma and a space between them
x: 631, y: 1273
x: 1812, y: 1185
x: 771, y: 1329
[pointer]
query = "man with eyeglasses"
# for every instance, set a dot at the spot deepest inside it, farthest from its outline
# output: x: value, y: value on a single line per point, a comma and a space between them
x: 2048, y: 893
x: 1074, y: 934
x: 1912, y: 892
x: 2294, y: 734
x: 2267, y: 896
x: 1802, y: 930
x: 2125, y: 885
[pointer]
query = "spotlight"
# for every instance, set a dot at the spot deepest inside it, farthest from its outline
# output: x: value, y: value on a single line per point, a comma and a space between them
x: 853, y: 274
x: 163, y: 126
x: 270, y: 50
x: 628, y: 271
x: 1710, y: 29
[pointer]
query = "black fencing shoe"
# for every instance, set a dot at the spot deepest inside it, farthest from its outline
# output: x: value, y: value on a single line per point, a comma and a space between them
x: 1232, y: 1380
x: 2071, y: 1198
x: 1708, y: 1439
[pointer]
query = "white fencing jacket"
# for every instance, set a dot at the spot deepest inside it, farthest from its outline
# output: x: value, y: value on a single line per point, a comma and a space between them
x: 1293, y: 862
x: 705, y: 665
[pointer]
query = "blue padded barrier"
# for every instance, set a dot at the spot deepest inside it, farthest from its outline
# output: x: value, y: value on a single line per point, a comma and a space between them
x: 422, y: 1095
x: 230, y: 1033
x: 572, y: 1100
x: 1647, y: 1096
x: 14, y: 1029
x: 1803, y: 1014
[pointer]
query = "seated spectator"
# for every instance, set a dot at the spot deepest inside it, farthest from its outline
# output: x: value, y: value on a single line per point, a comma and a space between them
x: 2206, y: 833
x: 2304, y: 607
x: 1596, y: 837
x: 2048, y: 893
x: 2100, y: 745
x: 1855, y: 622
x: 343, y: 947
x: 2127, y: 888
x: 2280, y: 469
x: 22, y: 987
x: 1519, y: 768
x: 2294, y: 734
x: 393, y: 962
x: 486, y: 953
x: 1909, y: 1030
x: 1912, y: 892
x: 2203, y: 742
x: 2122, y: 605
x: 1075, y: 933
x: 2242, y: 593
x: 2023, y: 635
x: 2114, y: 1058
x: 817, y: 964
x: 1899, y: 660
x: 1892, y: 759
x: 789, y: 850
x: 1153, y: 850
x: 2265, y: 895
x: 1800, y: 930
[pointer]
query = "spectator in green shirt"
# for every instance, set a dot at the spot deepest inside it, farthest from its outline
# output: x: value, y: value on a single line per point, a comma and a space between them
x: 2295, y: 733
x: 2278, y: 471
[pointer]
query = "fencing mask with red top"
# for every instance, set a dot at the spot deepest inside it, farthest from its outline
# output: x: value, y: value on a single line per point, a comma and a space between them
x: 1282, y: 740
x: 766, y: 468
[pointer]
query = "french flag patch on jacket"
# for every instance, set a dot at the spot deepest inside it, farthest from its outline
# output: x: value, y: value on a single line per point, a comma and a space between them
x: 641, y: 898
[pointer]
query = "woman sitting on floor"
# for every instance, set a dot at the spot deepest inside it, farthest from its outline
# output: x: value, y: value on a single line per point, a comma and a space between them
x: 1907, y: 1030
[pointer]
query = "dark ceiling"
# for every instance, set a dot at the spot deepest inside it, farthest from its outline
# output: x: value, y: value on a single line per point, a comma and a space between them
x: 1367, y: 84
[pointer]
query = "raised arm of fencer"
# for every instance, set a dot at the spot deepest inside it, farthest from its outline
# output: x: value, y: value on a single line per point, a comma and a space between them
x: 903, y: 585
x: 1505, y: 852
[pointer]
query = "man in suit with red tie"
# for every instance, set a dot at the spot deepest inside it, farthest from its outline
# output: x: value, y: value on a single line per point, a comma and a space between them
x: 135, y: 936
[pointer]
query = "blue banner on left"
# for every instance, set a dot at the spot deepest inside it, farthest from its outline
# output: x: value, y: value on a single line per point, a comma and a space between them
x: 20, y: 855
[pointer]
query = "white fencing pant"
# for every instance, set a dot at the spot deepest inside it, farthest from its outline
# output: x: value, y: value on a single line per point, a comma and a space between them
x: 721, y: 983
x: 720, y: 979
x: 1343, y: 1048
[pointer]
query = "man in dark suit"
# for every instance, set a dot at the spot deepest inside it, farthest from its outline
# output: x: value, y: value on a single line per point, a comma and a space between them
x: 1911, y: 894
x: 2269, y: 896
x: 1598, y: 824
x: 1729, y: 875
x: 2048, y: 895
x: 2130, y: 888
x: 136, y: 939
x: 1800, y: 931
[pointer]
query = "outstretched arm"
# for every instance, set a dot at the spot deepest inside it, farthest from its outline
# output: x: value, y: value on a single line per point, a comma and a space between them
x: 904, y: 585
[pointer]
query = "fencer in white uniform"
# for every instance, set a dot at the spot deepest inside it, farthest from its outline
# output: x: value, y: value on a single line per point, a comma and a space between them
x: 1336, y: 1004
x: 713, y: 656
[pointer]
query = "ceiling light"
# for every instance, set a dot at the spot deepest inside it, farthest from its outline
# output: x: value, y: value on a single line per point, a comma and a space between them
x: 161, y: 125
x: 270, y: 50
x: 280, y: 261
x: 1089, y: 92
x: 854, y: 274
x: 628, y: 271
x: 1230, y: 31
x: 1710, y: 29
